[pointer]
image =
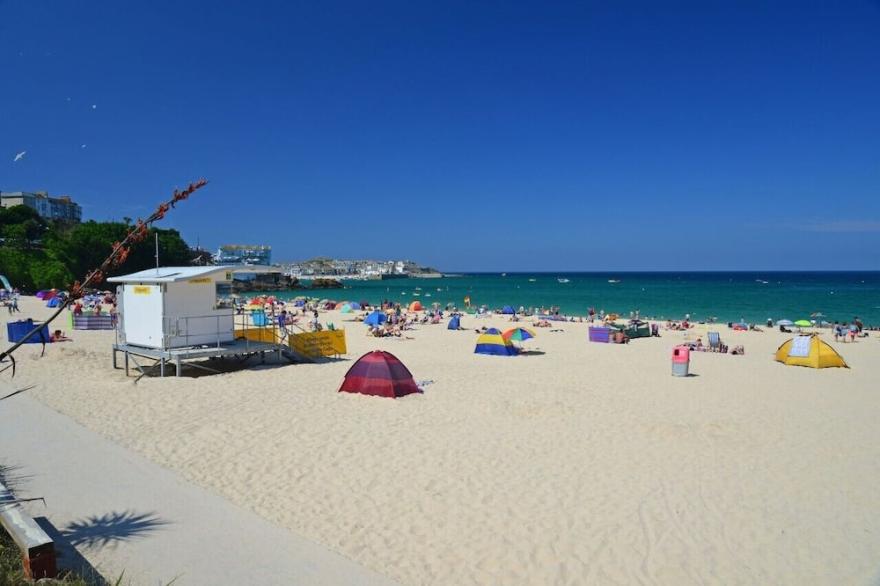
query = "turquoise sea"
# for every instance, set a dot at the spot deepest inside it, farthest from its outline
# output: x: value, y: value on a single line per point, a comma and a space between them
x: 727, y: 296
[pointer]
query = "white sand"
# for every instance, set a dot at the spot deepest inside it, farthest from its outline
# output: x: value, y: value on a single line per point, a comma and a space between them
x: 589, y: 464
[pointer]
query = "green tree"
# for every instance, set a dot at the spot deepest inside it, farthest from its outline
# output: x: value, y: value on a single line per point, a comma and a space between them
x: 35, y: 254
x: 84, y: 246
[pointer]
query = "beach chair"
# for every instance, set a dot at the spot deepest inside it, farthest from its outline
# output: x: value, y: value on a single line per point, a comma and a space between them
x: 714, y: 341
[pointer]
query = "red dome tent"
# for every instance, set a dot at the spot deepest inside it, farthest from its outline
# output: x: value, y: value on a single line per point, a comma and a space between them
x: 379, y: 373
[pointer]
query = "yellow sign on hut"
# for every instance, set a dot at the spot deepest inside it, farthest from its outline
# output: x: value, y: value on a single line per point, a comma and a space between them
x: 325, y: 343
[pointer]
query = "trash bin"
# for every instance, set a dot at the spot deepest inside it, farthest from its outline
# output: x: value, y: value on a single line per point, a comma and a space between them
x: 259, y: 318
x: 681, y: 360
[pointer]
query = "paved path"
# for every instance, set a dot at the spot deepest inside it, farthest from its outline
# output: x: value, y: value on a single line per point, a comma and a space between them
x: 122, y: 512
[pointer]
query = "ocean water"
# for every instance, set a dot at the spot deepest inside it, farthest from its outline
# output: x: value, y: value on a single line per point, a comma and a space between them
x: 727, y: 296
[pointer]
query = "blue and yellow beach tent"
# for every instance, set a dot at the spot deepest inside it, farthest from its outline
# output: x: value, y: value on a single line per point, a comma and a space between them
x: 492, y: 342
x: 454, y: 323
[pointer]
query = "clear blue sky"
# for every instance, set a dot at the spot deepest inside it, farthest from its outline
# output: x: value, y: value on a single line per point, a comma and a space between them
x: 469, y: 136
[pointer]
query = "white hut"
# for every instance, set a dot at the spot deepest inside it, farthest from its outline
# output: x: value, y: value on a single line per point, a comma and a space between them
x: 176, y: 307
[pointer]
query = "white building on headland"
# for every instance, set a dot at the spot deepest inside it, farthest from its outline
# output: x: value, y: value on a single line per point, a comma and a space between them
x: 60, y: 208
x: 326, y: 267
x: 244, y: 254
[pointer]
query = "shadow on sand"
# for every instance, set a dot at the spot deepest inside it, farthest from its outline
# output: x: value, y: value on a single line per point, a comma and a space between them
x: 111, y: 528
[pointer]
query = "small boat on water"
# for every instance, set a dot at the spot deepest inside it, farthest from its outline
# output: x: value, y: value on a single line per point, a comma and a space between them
x: 532, y: 280
x: 503, y: 274
x: 613, y: 281
x: 562, y: 280
x: 417, y: 294
x: 427, y: 294
x: 418, y: 288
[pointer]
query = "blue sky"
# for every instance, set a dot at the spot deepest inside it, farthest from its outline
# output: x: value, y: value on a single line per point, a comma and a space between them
x: 465, y: 135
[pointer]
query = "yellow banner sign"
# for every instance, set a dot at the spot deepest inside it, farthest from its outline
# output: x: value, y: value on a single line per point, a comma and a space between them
x: 201, y: 280
x: 140, y: 290
x: 326, y: 343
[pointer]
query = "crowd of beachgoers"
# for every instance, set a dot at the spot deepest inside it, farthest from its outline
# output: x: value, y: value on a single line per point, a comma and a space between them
x: 304, y: 312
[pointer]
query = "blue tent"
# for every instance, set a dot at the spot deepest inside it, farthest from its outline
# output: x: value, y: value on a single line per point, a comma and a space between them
x: 355, y: 305
x: 54, y: 302
x: 376, y: 318
x: 299, y: 303
x: 454, y: 323
x: 508, y: 310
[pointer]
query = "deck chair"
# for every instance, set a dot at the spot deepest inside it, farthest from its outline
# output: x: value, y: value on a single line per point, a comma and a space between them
x: 714, y: 341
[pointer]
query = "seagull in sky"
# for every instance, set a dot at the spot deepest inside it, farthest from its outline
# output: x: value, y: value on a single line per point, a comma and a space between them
x: 19, y: 156
x: 82, y: 146
x: 94, y: 106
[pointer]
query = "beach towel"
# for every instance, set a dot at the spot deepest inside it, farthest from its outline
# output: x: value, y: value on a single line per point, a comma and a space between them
x: 800, y: 346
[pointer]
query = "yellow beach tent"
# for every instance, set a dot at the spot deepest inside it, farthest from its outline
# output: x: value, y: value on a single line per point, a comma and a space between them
x: 809, y: 351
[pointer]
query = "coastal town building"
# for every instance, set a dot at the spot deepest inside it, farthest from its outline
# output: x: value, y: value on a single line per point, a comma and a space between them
x: 60, y: 208
x: 244, y: 254
x: 364, y: 269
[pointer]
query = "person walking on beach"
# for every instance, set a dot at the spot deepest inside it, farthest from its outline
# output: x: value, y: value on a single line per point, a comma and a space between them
x: 282, y: 324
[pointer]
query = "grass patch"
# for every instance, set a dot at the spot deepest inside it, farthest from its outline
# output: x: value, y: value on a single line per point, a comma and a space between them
x: 12, y: 572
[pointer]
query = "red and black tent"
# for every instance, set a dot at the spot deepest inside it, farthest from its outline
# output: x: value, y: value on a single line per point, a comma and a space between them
x: 379, y: 373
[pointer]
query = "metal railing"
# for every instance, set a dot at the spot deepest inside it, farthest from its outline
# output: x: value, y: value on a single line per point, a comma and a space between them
x: 213, y: 329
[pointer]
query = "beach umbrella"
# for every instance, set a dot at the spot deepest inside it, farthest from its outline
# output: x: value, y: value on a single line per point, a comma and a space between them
x: 518, y: 334
x: 376, y: 318
x: 785, y: 322
x: 355, y: 305
x: 346, y: 308
x: 508, y: 310
x: 380, y: 374
x: 415, y: 306
x: 802, y: 323
x: 340, y: 305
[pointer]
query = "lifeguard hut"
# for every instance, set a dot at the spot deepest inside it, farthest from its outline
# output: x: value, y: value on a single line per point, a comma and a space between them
x: 175, y: 314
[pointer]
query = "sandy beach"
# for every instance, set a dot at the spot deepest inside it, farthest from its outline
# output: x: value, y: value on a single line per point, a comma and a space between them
x: 587, y: 464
